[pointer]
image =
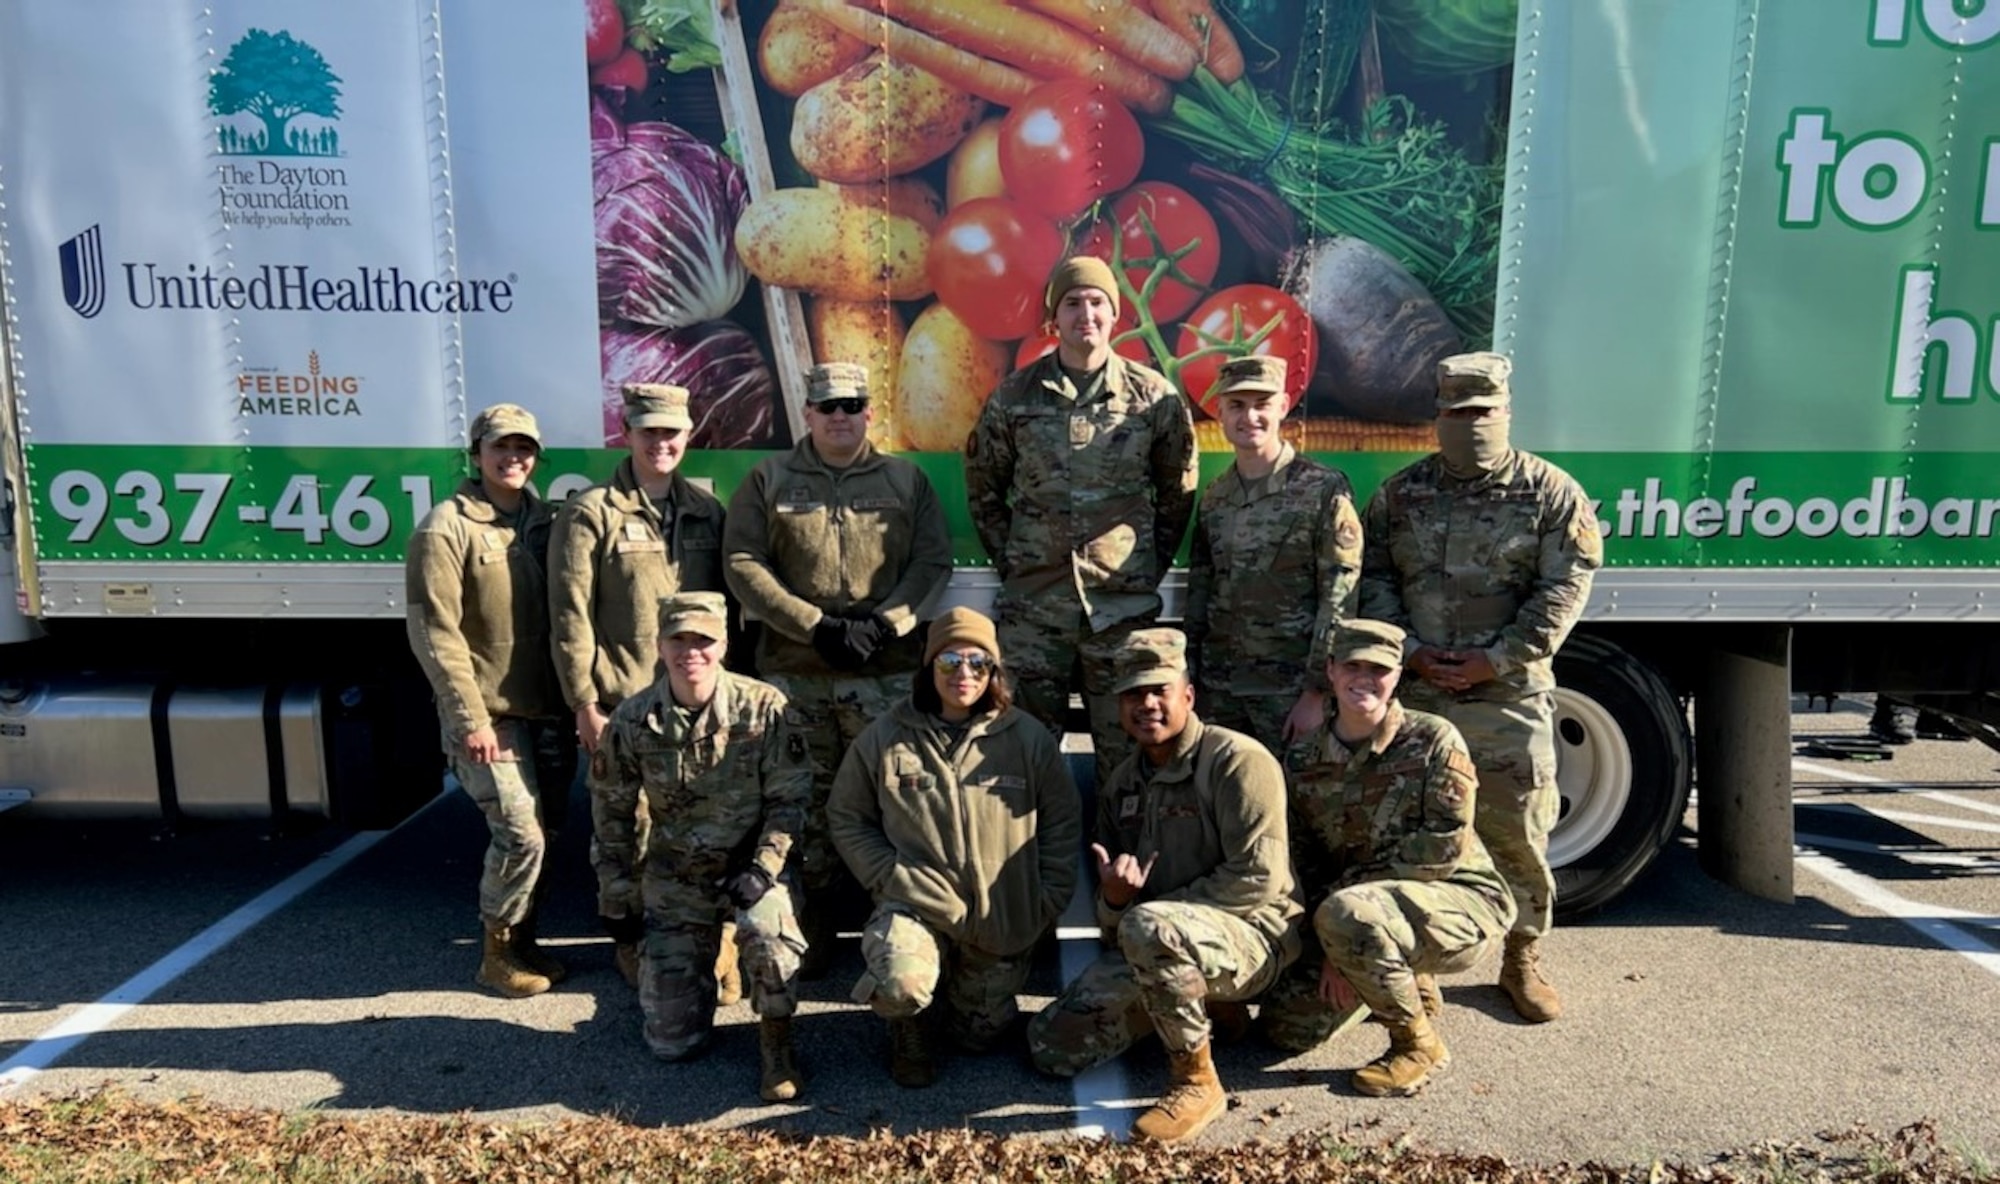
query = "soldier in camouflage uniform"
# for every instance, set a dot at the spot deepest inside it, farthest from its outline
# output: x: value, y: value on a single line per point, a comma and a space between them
x: 1485, y: 554
x: 1277, y: 555
x: 1081, y: 478
x: 1382, y: 801
x: 834, y: 547
x: 958, y: 813
x: 618, y: 547
x: 1195, y: 891
x: 708, y: 755
x: 476, y: 575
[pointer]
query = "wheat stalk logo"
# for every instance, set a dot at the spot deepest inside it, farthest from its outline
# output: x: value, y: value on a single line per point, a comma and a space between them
x: 312, y: 363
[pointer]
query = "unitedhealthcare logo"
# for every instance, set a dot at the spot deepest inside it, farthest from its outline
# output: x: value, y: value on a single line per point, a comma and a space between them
x: 83, y: 272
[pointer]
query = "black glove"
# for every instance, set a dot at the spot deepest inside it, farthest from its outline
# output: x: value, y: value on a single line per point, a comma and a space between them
x: 748, y: 886
x: 865, y: 635
x: 625, y: 930
x: 830, y: 643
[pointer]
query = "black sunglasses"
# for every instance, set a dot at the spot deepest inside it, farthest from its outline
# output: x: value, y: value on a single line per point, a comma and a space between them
x: 841, y: 406
x: 948, y: 663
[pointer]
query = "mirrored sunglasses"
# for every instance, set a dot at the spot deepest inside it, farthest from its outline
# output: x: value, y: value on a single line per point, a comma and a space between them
x: 949, y: 663
x: 841, y: 406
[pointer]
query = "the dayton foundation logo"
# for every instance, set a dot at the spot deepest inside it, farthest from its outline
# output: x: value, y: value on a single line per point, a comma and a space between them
x: 279, y: 103
x: 82, y: 259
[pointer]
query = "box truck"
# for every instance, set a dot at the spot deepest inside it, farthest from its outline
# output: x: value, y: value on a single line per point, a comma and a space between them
x: 261, y: 261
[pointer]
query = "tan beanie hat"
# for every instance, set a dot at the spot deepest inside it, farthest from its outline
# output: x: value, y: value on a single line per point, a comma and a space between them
x: 1083, y: 271
x: 961, y: 626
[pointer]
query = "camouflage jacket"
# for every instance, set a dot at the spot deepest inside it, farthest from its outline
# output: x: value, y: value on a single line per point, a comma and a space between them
x: 1274, y: 568
x: 1214, y: 814
x: 804, y: 540
x: 979, y: 837
x: 613, y: 555
x: 476, y: 594
x: 1398, y: 807
x: 1083, y: 495
x: 730, y: 785
x: 1503, y: 563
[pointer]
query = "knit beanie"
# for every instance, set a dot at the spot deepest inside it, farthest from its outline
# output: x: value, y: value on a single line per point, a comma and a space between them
x: 961, y: 626
x: 1084, y: 271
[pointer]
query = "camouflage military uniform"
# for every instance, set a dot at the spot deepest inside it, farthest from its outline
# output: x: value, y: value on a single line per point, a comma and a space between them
x: 1384, y: 840
x: 476, y: 589
x: 1501, y: 562
x: 969, y: 845
x: 1274, y: 568
x: 805, y: 541
x: 615, y: 552
x: 1217, y: 918
x: 724, y: 785
x: 1081, y: 499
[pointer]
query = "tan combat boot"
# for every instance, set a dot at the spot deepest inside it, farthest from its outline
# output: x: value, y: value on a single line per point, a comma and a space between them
x: 1416, y: 1054
x: 501, y: 969
x: 1194, y: 1098
x: 1521, y: 977
x: 626, y: 955
x: 728, y: 976
x: 782, y: 1080
x: 532, y: 955
x: 911, y: 1064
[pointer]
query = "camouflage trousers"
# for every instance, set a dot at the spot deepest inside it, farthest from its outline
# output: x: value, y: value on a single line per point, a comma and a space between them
x: 1043, y: 645
x: 525, y: 799
x: 826, y: 714
x: 906, y: 958
x: 1379, y: 937
x: 677, y: 960
x: 1514, y: 746
x: 1259, y: 716
x: 1172, y: 956
x: 617, y: 895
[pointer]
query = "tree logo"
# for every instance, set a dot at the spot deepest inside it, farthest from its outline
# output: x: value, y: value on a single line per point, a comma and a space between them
x: 274, y: 79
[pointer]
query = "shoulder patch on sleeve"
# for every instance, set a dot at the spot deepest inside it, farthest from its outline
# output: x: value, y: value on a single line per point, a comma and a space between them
x: 1584, y: 534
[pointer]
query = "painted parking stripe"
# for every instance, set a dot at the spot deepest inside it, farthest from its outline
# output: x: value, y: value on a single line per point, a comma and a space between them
x: 1935, y: 795
x: 51, y: 1046
x: 1939, y: 820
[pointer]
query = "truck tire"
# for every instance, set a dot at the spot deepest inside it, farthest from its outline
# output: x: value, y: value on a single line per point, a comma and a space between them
x: 1624, y: 764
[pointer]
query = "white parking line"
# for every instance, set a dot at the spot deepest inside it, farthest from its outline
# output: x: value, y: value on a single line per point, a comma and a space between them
x: 1928, y: 919
x: 51, y: 1046
x: 1936, y: 795
x: 1941, y: 820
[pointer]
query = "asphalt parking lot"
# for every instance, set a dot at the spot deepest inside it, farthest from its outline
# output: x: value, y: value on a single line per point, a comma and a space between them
x: 333, y: 971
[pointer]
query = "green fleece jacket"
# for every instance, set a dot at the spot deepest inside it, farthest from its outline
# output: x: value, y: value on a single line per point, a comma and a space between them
x: 979, y: 838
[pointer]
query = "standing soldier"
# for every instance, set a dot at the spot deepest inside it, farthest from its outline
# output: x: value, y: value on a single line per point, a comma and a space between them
x: 1194, y: 884
x: 1485, y: 554
x: 618, y: 548
x: 1384, y: 800
x: 476, y: 586
x: 835, y: 547
x: 1081, y: 477
x: 707, y: 754
x: 1277, y: 555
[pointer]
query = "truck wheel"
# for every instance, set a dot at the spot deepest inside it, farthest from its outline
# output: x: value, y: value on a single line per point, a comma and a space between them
x: 1624, y: 763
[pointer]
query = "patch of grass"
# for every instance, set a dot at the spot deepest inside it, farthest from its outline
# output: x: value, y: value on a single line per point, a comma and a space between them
x: 107, y: 1137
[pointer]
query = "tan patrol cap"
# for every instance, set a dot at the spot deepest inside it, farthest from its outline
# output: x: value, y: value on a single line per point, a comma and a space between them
x: 502, y: 420
x: 1363, y: 640
x: 1473, y: 380
x: 1252, y: 375
x: 1150, y: 657
x: 1082, y: 271
x: 656, y: 405
x: 836, y: 380
x: 703, y: 613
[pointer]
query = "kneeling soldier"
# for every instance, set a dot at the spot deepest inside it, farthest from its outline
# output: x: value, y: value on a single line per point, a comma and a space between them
x: 1195, y: 891
x: 1383, y: 802
x: 725, y: 785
